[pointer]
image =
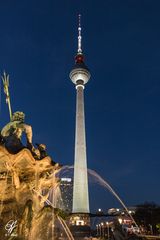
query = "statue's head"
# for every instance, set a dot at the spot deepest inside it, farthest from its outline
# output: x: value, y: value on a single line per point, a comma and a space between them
x: 18, y: 116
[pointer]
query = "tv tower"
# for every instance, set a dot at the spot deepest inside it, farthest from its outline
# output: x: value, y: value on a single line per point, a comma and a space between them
x: 80, y: 75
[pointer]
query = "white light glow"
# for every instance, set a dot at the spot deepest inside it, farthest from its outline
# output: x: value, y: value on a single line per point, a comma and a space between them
x: 120, y: 220
x: 66, y: 179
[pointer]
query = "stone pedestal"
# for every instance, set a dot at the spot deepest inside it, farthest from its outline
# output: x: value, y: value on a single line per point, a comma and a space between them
x: 25, y: 184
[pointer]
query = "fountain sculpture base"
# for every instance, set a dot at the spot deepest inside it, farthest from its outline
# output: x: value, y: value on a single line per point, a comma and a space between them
x: 25, y: 184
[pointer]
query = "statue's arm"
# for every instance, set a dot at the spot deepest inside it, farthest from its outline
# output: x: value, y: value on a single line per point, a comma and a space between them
x: 6, y: 130
x: 28, y: 130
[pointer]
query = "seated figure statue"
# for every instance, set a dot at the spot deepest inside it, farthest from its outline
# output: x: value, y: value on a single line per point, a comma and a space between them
x: 12, y: 133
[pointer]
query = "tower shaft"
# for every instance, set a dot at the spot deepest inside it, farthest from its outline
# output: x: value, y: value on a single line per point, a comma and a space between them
x: 80, y: 187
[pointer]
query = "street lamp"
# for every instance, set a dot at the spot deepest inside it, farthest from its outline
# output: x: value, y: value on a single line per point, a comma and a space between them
x: 97, y: 229
x: 107, y: 230
x: 102, y: 229
x: 151, y: 229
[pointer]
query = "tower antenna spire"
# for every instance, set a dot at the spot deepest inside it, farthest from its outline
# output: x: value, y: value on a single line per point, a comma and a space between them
x: 79, y: 35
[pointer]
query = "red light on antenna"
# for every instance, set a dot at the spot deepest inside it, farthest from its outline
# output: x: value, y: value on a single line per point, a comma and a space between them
x: 79, y: 58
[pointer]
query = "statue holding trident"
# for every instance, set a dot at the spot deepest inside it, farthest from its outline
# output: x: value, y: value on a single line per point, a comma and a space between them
x: 5, y: 79
x: 12, y: 132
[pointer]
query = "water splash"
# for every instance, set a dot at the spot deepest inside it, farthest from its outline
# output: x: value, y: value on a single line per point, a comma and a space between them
x: 105, y: 184
x: 66, y: 170
x: 62, y: 222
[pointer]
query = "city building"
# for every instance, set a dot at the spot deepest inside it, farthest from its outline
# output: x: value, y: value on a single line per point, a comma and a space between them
x: 66, y: 187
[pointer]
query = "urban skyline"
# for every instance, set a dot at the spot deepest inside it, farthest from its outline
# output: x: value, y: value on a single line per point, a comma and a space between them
x: 121, y: 44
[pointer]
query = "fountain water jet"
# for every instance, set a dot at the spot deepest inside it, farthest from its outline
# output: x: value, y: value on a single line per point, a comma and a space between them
x: 105, y: 184
x: 65, y: 170
x: 62, y: 222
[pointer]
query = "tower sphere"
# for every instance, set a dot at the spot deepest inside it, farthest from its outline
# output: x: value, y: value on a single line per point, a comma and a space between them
x: 80, y: 73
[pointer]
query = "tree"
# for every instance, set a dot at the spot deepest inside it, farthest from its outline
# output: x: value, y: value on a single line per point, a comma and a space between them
x: 148, y: 214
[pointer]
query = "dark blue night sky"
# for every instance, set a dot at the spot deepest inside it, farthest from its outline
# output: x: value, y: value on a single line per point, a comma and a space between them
x: 121, y: 42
